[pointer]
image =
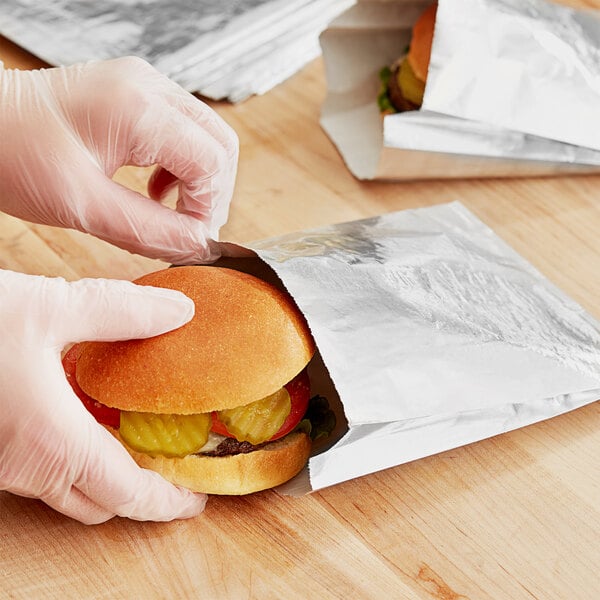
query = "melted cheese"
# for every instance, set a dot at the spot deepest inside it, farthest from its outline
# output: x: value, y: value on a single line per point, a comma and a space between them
x: 214, y: 439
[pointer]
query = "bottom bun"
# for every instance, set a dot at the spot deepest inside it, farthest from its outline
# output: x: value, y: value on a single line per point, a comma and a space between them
x: 273, y: 464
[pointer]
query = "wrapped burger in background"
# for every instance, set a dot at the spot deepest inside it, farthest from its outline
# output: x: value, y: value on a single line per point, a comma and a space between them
x: 512, y: 88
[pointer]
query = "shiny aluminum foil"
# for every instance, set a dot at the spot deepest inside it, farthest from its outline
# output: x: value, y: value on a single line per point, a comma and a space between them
x: 435, y: 333
x: 524, y: 65
x: 513, y: 88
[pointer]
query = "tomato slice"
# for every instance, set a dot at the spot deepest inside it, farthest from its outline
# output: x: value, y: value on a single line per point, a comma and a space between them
x: 299, y: 391
x: 102, y: 413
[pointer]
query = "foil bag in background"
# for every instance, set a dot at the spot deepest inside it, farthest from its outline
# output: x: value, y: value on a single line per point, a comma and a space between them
x: 513, y: 88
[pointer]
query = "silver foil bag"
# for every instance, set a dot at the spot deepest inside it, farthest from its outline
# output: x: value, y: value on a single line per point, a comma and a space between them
x: 513, y: 88
x: 435, y: 334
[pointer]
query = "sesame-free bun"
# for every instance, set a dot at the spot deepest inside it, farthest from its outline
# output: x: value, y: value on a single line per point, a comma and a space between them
x: 261, y: 469
x: 246, y: 340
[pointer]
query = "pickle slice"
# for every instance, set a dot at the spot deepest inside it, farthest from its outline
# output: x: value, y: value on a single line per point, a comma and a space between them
x: 412, y: 87
x: 258, y: 421
x: 168, y: 435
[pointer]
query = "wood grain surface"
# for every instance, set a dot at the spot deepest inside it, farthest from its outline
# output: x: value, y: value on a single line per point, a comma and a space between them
x: 513, y: 517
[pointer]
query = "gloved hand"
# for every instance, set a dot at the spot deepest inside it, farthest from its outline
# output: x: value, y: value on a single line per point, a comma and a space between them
x: 64, y: 132
x: 50, y: 446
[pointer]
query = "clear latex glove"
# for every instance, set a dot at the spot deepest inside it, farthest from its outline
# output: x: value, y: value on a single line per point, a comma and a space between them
x: 50, y: 446
x: 64, y: 132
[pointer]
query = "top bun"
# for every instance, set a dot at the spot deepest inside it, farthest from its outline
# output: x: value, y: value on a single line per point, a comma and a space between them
x: 419, y: 52
x: 247, y: 339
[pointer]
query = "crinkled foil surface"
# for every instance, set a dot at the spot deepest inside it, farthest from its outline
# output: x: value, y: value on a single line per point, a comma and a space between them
x: 530, y: 66
x: 435, y: 333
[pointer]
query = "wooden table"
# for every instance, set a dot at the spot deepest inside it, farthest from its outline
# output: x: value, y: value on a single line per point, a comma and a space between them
x: 516, y: 516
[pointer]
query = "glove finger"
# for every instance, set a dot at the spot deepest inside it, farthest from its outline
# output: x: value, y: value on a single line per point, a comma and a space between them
x: 137, y: 224
x: 221, y: 131
x: 108, y: 310
x: 76, y: 466
x: 204, y: 116
x: 78, y: 506
x: 112, y: 479
x: 205, y: 168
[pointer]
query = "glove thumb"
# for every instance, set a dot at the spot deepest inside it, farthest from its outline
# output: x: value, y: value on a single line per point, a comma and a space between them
x: 109, y: 310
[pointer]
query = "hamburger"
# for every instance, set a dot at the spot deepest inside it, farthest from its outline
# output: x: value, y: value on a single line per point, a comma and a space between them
x: 403, y: 84
x: 217, y: 405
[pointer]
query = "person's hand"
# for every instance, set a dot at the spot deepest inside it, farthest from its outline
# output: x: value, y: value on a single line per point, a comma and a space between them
x: 51, y: 448
x: 64, y: 132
